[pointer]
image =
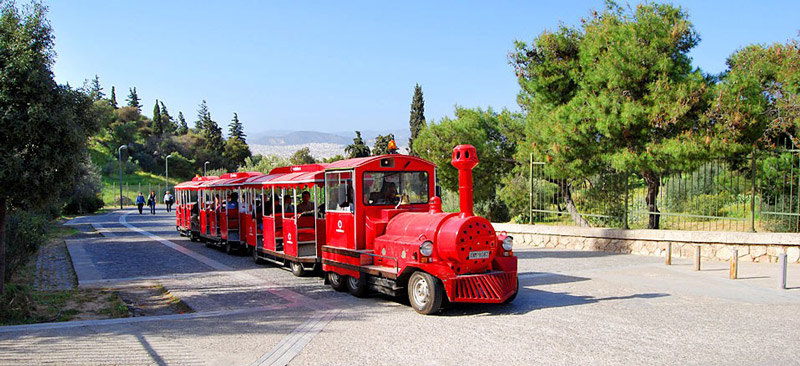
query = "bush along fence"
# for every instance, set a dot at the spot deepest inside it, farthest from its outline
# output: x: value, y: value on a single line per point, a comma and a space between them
x: 759, y: 192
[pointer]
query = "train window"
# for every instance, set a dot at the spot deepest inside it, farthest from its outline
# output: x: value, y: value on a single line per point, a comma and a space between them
x: 339, y: 191
x: 389, y: 188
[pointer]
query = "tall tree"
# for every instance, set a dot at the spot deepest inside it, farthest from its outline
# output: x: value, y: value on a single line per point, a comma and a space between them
x: 382, y: 144
x: 183, y: 128
x: 210, y: 130
x: 235, y: 129
x: 133, y: 99
x: 620, y: 93
x: 43, y: 126
x: 156, y: 126
x: 417, y: 120
x: 113, y: 98
x: 93, y: 88
x: 167, y: 123
x: 202, y: 116
x: 358, y: 149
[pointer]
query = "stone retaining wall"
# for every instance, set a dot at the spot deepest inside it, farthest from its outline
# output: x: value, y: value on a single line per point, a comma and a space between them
x: 754, y: 247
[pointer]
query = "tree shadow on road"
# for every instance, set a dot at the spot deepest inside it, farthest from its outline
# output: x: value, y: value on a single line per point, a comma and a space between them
x: 530, y: 299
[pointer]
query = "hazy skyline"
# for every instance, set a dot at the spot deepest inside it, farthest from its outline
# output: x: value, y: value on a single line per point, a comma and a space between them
x: 343, y: 66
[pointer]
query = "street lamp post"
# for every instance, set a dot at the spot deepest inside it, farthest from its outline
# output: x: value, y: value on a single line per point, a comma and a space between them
x: 119, y: 155
x: 166, y: 169
x: 205, y: 170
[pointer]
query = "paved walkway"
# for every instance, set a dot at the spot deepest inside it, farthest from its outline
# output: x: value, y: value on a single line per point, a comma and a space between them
x: 573, y: 307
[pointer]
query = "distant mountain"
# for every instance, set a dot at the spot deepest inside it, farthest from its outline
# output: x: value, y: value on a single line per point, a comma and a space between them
x: 296, y: 138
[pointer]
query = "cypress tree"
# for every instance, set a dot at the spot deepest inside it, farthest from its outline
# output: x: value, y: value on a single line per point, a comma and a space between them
x: 113, y: 98
x: 133, y: 99
x: 156, y: 126
x: 417, y: 120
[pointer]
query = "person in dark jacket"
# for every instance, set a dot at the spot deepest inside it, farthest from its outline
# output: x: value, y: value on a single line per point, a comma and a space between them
x: 140, y: 202
x: 151, y: 202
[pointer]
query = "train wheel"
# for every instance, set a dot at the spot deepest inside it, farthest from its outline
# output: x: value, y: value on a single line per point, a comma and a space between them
x: 228, y: 248
x: 425, y: 293
x: 297, y: 269
x: 256, y: 258
x: 193, y: 237
x: 514, y: 296
x: 337, y: 281
x: 357, y: 286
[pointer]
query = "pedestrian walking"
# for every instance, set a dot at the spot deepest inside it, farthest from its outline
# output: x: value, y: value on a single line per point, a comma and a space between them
x: 140, y: 202
x: 168, y: 201
x: 151, y: 201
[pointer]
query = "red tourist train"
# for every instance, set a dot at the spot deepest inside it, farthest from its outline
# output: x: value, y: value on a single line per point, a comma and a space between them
x: 371, y: 223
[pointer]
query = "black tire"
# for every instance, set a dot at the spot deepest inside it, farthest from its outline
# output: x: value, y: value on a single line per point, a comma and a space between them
x: 425, y: 293
x: 297, y: 269
x: 210, y: 244
x: 357, y: 286
x: 256, y: 258
x: 228, y: 248
x: 337, y: 281
x: 514, y: 296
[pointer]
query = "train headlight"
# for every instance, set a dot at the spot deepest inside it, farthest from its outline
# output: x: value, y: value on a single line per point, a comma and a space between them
x: 508, y: 243
x: 426, y: 248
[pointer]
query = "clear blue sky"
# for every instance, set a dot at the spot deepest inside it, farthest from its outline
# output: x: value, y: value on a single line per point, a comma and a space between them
x: 343, y: 65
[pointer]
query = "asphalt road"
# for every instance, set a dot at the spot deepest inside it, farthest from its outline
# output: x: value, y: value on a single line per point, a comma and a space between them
x: 573, y: 307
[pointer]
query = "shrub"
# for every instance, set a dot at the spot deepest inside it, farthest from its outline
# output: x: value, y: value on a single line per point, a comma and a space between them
x: 24, y: 235
x: 494, y: 209
x: 84, y: 197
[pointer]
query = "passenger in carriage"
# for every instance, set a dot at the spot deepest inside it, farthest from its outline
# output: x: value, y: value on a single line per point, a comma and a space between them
x: 233, y: 201
x: 287, y: 204
x: 306, y: 206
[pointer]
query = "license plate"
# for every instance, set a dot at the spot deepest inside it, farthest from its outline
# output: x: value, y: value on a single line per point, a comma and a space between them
x: 479, y: 255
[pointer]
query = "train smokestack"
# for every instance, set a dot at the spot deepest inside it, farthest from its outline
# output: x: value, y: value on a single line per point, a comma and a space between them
x: 464, y: 159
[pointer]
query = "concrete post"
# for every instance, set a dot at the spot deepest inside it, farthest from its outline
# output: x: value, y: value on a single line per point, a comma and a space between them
x: 782, y: 271
x: 734, y: 264
x: 697, y: 258
x: 668, y: 258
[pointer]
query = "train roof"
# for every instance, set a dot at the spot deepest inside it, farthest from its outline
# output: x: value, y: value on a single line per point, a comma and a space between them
x: 233, y: 179
x: 359, y: 162
x: 197, y: 182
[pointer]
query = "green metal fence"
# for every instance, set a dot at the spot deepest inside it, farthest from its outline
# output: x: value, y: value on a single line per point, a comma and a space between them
x: 759, y: 192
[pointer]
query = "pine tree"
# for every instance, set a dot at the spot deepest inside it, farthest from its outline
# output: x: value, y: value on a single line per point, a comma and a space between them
x: 133, y: 99
x: 183, y: 128
x: 235, y: 129
x: 215, y: 143
x: 94, y: 89
x: 202, y: 116
x: 113, y: 98
x: 417, y: 120
x: 156, y: 126
x: 167, y: 123
x: 358, y: 149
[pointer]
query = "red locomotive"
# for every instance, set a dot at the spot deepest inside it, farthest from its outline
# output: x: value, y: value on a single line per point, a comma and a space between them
x: 380, y: 227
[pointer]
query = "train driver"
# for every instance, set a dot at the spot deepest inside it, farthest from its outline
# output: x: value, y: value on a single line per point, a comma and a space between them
x: 306, y: 205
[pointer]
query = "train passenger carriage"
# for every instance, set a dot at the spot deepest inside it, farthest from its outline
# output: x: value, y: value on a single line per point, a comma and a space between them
x: 221, y: 211
x: 288, y: 233
x: 186, y: 207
